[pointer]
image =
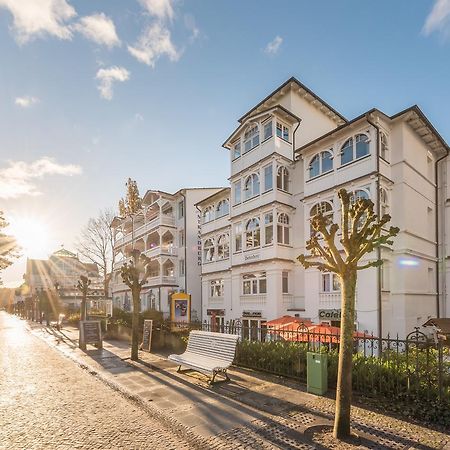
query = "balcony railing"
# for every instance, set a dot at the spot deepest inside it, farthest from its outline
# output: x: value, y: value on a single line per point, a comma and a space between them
x: 215, y: 300
x: 145, y: 228
x: 161, y: 279
x: 330, y: 300
x: 161, y: 250
x: 259, y: 299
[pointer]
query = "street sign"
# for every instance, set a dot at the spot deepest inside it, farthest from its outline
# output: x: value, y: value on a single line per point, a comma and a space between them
x: 90, y: 333
x: 147, y: 337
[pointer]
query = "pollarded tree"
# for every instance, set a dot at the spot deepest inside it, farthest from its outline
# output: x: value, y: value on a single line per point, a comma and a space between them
x: 362, y: 232
x: 134, y: 274
x: 132, y: 202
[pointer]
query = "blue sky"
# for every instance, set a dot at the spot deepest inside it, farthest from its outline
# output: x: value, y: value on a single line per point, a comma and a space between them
x: 95, y: 91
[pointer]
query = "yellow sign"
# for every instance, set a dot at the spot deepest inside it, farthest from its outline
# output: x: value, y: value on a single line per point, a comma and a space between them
x: 180, y: 307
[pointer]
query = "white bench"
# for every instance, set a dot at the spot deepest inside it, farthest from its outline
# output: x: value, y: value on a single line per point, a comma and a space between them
x: 208, y: 353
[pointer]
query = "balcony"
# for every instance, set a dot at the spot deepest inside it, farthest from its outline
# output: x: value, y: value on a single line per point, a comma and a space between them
x: 330, y: 300
x: 161, y: 250
x: 161, y: 280
x: 160, y: 220
x: 253, y: 300
x: 215, y: 301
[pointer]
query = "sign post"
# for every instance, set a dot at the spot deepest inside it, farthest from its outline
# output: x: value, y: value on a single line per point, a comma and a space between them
x: 90, y: 333
x: 147, y: 337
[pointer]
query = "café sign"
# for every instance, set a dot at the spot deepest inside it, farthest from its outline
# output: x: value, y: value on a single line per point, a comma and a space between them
x: 330, y: 314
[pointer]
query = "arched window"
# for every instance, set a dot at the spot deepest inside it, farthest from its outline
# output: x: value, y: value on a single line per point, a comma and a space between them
x: 251, y: 188
x: 208, y: 250
x: 252, y: 233
x: 254, y: 283
x: 362, y: 145
x: 384, y: 147
x: 283, y: 179
x: 321, y: 163
x: 223, y: 247
x: 208, y: 214
x: 324, y: 208
x: 384, y: 203
x: 251, y: 138
x: 354, y: 148
x: 283, y: 229
x: 359, y: 193
x: 223, y: 208
x: 347, y: 151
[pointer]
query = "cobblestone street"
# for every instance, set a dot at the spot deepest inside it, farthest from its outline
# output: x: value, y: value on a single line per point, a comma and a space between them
x: 46, y: 401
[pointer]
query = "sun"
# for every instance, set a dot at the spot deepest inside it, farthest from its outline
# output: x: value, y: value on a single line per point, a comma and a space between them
x: 31, y: 234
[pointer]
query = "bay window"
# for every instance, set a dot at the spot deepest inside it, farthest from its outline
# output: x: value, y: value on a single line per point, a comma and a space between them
x: 208, y: 250
x: 223, y: 247
x: 208, y: 214
x: 268, y: 228
x: 354, y: 148
x: 237, y: 192
x: 283, y: 229
x: 321, y: 163
x: 252, y: 234
x: 267, y: 130
x: 282, y: 131
x: 223, y: 208
x: 330, y: 282
x: 236, y: 149
x: 238, y: 237
x: 283, y: 179
x: 285, y: 282
x: 251, y: 188
x: 251, y: 138
x: 268, y: 178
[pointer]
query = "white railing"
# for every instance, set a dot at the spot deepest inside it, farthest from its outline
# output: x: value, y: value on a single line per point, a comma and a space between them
x: 330, y: 300
x: 259, y: 299
x: 288, y: 300
x: 164, y: 279
x: 166, y: 250
x: 215, y: 300
x: 145, y: 228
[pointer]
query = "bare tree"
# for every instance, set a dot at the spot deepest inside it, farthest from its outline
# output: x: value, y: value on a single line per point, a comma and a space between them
x: 8, y: 246
x: 362, y: 232
x: 134, y: 273
x: 96, y: 244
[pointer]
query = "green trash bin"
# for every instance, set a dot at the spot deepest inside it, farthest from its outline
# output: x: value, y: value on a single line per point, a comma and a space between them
x: 317, y: 373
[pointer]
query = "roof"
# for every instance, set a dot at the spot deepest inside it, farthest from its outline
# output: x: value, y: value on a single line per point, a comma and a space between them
x: 278, y: 107
x: 216, y: 194
x: 338, y: 117
x: 63, y: 253
x: 442, y: 324
x: 418, y: 121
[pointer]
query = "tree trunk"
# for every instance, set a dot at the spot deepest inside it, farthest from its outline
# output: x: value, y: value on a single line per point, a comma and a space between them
x: 344, y: 381
x: 135, y: 324
x: 83, y: 309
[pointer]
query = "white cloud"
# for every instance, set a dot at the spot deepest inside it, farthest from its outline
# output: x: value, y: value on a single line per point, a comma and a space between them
x: 109, y: 76
x: 98, y: 28
x: 37, y: 18
x: 19, y: 178
x: 162, y: 9
x: 439, y: 18
x: 154, y: 42
x: 273, y: 46
x: 26, y: 101
x: 190, y: 24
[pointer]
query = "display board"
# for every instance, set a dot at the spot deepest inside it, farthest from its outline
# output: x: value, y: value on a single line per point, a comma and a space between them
x: 90, y: 333
x: 147, y: 335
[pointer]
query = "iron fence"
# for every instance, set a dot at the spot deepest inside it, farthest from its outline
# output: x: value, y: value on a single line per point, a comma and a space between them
x: 415, y: 369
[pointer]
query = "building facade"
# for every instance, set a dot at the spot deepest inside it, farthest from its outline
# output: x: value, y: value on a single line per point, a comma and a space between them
x: 167, y: 231
x: 289, y: 156
x: 61, y: 272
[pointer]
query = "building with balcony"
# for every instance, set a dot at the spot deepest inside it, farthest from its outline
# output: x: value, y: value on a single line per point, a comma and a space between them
x: 289, y: 156
x: 60, y: 273
x: 167, y: 231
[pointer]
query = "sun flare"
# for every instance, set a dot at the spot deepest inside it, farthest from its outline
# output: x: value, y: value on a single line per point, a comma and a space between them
x: 32, y: 236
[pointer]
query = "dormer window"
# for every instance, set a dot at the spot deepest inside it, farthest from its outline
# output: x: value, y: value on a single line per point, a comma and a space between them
x: 251, y: 138
x: 282, y: 131
x: 236, y: 149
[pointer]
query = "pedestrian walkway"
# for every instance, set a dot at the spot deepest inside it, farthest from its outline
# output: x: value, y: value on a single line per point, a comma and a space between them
x: 254, y: 410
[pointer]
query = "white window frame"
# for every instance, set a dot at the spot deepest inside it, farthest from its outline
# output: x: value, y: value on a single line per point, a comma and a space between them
x: 253, y: 233
x: 208, y: 214
x: 216, y: 288
x: 251, y: 136
x: 282, y: 131
x: 252, y: 186
x: 222, y: 208
x: 265, y: 126
x: 223, y: 247
x: 266, y: 177
x: 209, y: 252
x: 254, y: 283
x: 237, y: 192
x: 285, y: 277
x: 283, y: 227
x: 333, y: 281
x: 268, y: 224
x: 353, y: 140
x: 319, y: 157
x: 238, y: 237
x: 236, y: 149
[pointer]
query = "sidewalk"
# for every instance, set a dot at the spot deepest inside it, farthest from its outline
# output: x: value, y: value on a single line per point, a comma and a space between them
x: 254, y: 410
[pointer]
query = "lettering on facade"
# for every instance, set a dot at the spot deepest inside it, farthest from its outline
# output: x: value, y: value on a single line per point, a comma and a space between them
x: 253, y: 257
x: 252, y: 314
x: 217, y: 312
x: 330, y: 314
x: 199, y: 239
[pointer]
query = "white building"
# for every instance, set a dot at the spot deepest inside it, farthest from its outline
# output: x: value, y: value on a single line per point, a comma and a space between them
x: 289, y: 156
x: 167, y: 231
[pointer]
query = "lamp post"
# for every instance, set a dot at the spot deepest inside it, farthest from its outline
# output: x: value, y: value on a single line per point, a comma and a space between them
x: 83, y: 286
